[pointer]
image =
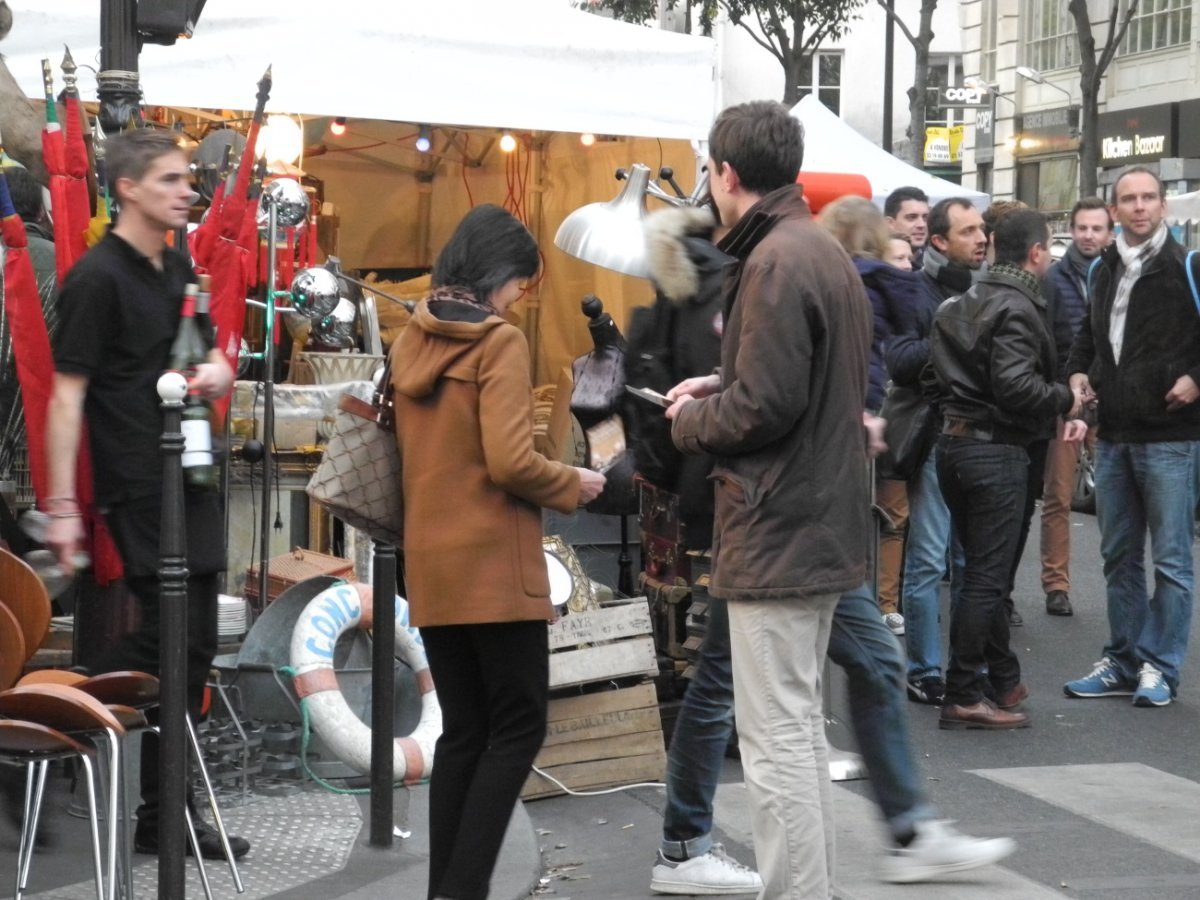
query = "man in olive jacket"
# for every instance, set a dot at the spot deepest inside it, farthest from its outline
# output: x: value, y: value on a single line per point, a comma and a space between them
x: 784, y: 420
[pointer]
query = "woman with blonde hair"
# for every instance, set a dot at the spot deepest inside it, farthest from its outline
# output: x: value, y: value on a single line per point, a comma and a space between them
x: 861, y: 229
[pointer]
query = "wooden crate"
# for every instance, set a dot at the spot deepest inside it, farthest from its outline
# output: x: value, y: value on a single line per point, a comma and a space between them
x: 600, y: 740
x: 607, y: 737
x: 618, y: 644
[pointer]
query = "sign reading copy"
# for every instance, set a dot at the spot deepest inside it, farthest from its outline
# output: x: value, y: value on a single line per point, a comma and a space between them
x: 957, y: 96
x: 1137, y: 135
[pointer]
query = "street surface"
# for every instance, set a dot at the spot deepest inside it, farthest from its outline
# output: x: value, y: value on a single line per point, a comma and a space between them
x: 1101, y: 797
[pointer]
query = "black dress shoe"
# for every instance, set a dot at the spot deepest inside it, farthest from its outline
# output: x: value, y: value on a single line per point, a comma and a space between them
x: 1058, y: 604
x: 145, y: 840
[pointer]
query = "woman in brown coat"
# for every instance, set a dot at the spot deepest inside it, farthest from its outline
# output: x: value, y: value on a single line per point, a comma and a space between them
x: 474, y: 568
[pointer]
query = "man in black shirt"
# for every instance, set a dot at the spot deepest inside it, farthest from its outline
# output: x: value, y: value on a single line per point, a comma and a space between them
x: 120, y: 310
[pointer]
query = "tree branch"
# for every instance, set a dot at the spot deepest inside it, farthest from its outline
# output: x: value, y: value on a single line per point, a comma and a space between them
x: 892, y: 14
x: 1114, y: 41
x: 737, y: 19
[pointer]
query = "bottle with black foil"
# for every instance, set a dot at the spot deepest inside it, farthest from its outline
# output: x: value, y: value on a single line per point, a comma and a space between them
x: 187, y: 352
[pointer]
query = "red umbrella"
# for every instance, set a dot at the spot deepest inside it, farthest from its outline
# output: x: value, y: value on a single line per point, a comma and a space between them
x: 226, y: 246
x: 30, y: 341
x: 35, y: 373
x: 79, y: 204
x: 54, y: 156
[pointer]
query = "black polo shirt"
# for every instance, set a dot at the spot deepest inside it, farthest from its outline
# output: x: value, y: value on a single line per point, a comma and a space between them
x: 119, y: 318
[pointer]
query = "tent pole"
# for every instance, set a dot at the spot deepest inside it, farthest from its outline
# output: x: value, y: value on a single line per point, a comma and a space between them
x: 424, y: 217
x: 537, y: 186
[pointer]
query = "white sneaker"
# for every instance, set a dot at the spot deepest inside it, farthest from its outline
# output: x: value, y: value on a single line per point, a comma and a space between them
x: 894, y: 622
x: 714, y: 873
x: 939, y: 850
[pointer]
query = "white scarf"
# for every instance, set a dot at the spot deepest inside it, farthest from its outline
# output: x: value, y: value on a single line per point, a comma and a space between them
x: 1132, y: 258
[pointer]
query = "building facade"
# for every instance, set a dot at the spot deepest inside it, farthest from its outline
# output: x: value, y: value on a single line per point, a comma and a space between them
x: 1026, y: 144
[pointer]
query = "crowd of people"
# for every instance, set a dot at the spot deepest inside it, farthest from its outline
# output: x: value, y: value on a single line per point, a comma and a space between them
x: 794, y: 336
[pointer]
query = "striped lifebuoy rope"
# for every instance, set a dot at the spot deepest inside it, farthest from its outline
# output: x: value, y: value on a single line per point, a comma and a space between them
x: 327, y: 616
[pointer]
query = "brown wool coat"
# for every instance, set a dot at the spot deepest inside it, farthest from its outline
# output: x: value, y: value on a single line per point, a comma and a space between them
x: 473, y: 484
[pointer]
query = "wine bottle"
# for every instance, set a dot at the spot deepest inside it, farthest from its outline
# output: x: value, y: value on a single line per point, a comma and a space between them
x: 187, y: 352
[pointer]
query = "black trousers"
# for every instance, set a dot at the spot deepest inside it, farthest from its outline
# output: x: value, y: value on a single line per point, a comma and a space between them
x: 492, y: 683
x: 135, y: 531
x: 984, y: 486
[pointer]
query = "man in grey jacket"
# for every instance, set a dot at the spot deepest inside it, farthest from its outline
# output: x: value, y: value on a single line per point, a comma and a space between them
x: 782, y: 418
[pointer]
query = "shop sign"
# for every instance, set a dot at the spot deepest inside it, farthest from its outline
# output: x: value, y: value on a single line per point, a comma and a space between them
x: 943, y: 146
x: 985, y: 133
x: 1137, y: 135
x: 1047, y: 131
x: 1188, y: 145
x: 957, y: 96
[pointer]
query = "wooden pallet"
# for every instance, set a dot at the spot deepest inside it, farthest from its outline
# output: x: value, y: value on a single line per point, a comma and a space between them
x: 605, y: 737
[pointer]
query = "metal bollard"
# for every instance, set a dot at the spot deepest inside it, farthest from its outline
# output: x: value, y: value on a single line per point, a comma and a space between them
x: 172, y: 574
x: 383, y: 694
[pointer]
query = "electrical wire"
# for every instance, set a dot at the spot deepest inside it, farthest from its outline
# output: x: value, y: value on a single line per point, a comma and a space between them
x: 612, y: 790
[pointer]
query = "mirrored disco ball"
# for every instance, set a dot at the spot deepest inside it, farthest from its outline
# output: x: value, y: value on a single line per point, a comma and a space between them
x: 291, y: 204
x: 315, y: 293
x: 337, y: 328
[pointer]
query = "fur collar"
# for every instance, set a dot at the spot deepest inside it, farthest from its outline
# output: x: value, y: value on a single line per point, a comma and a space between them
x: 672, y: 267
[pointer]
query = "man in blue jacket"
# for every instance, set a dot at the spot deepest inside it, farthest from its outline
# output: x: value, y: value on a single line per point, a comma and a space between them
x: 1138, y: 350
x: 1065, y: 290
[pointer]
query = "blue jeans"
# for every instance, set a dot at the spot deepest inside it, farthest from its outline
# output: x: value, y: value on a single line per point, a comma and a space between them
x: 924, y: 562
x: 1140, y: 488
x: 702, y: 732
x: 874, y: 664
x: 985, y: 486
x: 862, y: 645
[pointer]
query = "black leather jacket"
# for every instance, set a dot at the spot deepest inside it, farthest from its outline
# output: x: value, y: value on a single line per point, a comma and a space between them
x: 993, y: 365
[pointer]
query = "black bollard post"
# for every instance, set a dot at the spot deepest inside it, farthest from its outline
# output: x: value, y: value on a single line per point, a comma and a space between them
x: 383, y: 693
x: 172, y: 574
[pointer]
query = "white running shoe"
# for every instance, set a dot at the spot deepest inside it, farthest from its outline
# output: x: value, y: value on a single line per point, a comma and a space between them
x: 715, y: 873
x: 939, y: 850
x: 894, y: 622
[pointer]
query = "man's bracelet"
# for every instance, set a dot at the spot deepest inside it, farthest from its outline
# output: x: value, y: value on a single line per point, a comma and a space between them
x: 65, y: 515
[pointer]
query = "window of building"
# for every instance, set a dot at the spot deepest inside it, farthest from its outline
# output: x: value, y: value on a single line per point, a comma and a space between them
x: 1156, y: 24
x: 1051, y: 41
x: 821, y: 73
x: 944, y: 70
x: 987, y: 41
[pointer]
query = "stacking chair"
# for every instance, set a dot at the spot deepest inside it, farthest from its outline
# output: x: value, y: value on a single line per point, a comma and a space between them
x: 129, y: 695
x: 42, y: 723
x: 26, y: 598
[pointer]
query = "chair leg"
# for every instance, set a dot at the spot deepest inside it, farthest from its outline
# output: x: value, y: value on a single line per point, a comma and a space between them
x: 192, y: 836
x: 35, y: 786
x: 95, y: 823
x: 116, y: 831
x: 218, y: 822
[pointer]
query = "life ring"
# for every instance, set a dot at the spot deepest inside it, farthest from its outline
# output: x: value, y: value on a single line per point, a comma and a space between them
x: 327, y: 616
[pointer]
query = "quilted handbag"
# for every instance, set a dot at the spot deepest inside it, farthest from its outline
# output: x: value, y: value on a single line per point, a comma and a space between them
x: 358, y: 479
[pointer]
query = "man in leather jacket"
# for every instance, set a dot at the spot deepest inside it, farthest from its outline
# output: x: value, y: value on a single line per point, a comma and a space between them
x: 992, y: 373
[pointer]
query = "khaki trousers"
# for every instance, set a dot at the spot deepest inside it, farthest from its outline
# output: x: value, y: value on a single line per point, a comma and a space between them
x: 1061, y: 461
x: 892, y: 499
x: 779, y: 649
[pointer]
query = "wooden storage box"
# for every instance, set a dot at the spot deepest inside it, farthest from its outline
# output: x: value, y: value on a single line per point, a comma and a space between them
x: 288, y: 569
x: 608, y: 737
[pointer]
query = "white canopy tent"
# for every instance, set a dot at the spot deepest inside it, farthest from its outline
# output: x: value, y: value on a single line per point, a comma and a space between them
x: 1183, y: 208
x: 830, y: 145
x: 522, y: 64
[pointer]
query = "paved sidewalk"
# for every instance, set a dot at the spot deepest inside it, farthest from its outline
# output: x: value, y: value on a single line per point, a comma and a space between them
x: 306, y: 844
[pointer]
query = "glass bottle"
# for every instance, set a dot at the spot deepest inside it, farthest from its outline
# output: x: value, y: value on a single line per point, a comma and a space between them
x: 187, y: 352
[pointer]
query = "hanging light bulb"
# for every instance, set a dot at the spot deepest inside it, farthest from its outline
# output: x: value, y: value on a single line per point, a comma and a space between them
x: 280, y: 140
x: 338, y: 126
x: 508, y: 143
x: 424, y: 140
x: 587, y: 139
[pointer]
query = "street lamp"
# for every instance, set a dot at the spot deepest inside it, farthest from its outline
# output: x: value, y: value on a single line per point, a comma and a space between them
x: 1037, y: 78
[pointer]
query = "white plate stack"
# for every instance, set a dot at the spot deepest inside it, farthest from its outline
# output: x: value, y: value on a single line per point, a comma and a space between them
x: 231, y: 616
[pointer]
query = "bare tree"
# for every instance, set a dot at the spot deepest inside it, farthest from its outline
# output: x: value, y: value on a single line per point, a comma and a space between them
x: 790, y: 30
x: 917, y: 94
x: 1091, y: 73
